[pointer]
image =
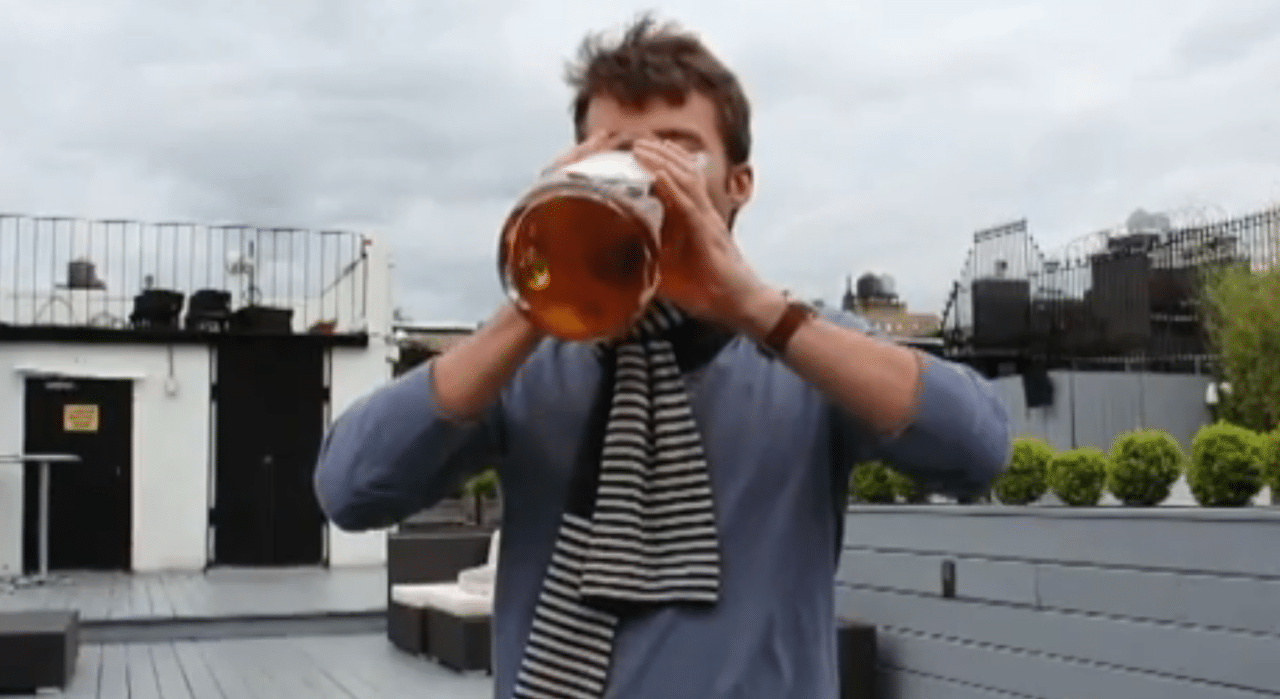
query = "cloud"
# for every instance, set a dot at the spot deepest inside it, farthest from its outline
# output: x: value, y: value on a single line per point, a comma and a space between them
x: 886, y: 131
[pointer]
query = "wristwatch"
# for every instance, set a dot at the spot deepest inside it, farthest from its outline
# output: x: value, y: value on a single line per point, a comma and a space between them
x: 797, y: 314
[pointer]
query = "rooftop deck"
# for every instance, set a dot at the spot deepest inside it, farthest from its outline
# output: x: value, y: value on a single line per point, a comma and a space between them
x: 338, y: 667
x: 238, y: 634
x: 217, y: 594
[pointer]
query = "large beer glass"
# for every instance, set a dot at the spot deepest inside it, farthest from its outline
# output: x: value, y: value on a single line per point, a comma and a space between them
x: 579, y: 253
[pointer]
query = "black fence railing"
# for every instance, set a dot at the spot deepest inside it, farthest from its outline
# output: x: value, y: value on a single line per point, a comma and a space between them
x: 1112, y: 295
x: 57, y: 271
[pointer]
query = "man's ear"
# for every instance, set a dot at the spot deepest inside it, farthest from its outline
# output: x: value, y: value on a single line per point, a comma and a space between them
x: 742, y: 185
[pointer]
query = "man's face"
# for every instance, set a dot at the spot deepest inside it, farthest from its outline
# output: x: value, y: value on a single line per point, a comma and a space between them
x: 692, y: 125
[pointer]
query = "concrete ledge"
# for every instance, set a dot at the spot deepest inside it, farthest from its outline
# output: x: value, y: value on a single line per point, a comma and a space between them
x: 169, y: 629
x: 1224, y: 514
x: 998, y: 601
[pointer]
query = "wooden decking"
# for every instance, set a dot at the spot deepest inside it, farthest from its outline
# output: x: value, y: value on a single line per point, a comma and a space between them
x: 218, y: 593
x: 219, y: 635
x: 329, y: 667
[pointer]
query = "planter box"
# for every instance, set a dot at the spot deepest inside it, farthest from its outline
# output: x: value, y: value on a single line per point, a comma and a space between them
x: 38, y: 650
x: 1065, y: 602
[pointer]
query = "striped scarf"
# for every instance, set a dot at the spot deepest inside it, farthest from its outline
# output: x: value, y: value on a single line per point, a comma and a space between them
x: 639, y: 530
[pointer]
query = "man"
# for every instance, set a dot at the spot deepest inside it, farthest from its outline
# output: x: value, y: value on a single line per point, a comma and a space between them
x: 710, y: 574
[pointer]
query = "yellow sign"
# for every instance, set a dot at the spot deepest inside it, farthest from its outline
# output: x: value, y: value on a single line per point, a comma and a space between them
x: 79, y: 418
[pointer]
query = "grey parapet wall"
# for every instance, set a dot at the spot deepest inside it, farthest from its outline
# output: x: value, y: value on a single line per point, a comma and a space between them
x: 1091, y: 408
x: 1064, y: 603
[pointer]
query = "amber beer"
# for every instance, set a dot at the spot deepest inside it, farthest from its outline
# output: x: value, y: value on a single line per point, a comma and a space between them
x: 579, y: 252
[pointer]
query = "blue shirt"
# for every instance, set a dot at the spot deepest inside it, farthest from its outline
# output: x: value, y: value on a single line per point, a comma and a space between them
x: 779, y: 454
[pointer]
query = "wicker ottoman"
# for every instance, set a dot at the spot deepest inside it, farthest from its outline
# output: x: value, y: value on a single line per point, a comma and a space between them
x: 458, y: 628
x: 38, y: 650
x: 407, y: 616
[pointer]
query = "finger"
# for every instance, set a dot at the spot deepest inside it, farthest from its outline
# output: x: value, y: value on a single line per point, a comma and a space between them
x: 675, y: 157
x: 648, y: 160
x: 682, y: 168
x: 654, y: 151
x: 656, y: 158
x: 684, y: 160
x: 669, y: 183
x: 680, y: 208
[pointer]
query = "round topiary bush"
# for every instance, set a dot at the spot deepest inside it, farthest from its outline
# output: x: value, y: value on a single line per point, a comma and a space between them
x: 1224, y: 469
x: 907, y: 489
x: 1024, y: 481
x: 1270, y: 460
x: 1078, y: 476
x: 1144, y: 466
x: 872, y: 483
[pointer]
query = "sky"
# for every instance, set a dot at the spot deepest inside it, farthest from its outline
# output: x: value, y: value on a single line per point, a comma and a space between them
x: 886, y: 131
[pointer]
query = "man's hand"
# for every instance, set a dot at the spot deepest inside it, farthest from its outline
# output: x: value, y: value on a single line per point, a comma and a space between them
x: 703, y: 271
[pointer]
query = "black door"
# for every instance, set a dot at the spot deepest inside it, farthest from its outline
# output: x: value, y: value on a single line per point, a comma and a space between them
x: 269, y: 398
x: 90, y: 502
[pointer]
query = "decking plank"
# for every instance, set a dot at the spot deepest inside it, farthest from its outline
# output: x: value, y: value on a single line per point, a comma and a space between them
x: 200, y: 680
x: 142, y: 673
x: 323, y: 667
x: 84, y: 683
x: 375, y: 677
x: 169, y: 675
x: 228, y: 672
x: 356, y: 680
x: 217, y: 593
x: 115, y: 673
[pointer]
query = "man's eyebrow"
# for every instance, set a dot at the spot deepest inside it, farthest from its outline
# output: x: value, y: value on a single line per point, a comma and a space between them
x: 677, y: 134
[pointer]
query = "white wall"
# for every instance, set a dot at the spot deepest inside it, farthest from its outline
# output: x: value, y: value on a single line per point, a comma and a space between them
x: 171, y: 435
x: 172, y: 431
x: 356, y: 372
x: 170, y: 443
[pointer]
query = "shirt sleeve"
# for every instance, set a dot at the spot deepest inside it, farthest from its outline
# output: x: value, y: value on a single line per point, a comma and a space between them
x: 958, y: 441
x: 393, y: 453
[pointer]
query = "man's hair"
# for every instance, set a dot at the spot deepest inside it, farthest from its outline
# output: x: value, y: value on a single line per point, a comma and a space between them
x: 660, y: 61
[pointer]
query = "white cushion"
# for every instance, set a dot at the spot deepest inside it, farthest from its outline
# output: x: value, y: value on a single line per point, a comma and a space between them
x: 452, y: 599
x: 414, y: 595
x: 494, y: 544
x: 478, y: 580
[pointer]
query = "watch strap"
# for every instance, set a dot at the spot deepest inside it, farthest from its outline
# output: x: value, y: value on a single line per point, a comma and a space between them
x: 796, y: 314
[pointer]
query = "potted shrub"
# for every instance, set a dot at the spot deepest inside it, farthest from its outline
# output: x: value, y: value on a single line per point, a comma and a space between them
x: 481, y: 490
x: 872, y: 482
x: 1225, y: 466
x: 1270, y: 460
x: 1024, y: 481
x: 1144, y: 466
x: 1078, y: 476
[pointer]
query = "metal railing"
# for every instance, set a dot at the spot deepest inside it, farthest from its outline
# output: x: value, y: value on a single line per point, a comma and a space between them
x: 1115, y: 294
x: 60, y: 271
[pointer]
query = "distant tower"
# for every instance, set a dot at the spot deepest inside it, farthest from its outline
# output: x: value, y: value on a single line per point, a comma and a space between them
x: 850, y: 300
